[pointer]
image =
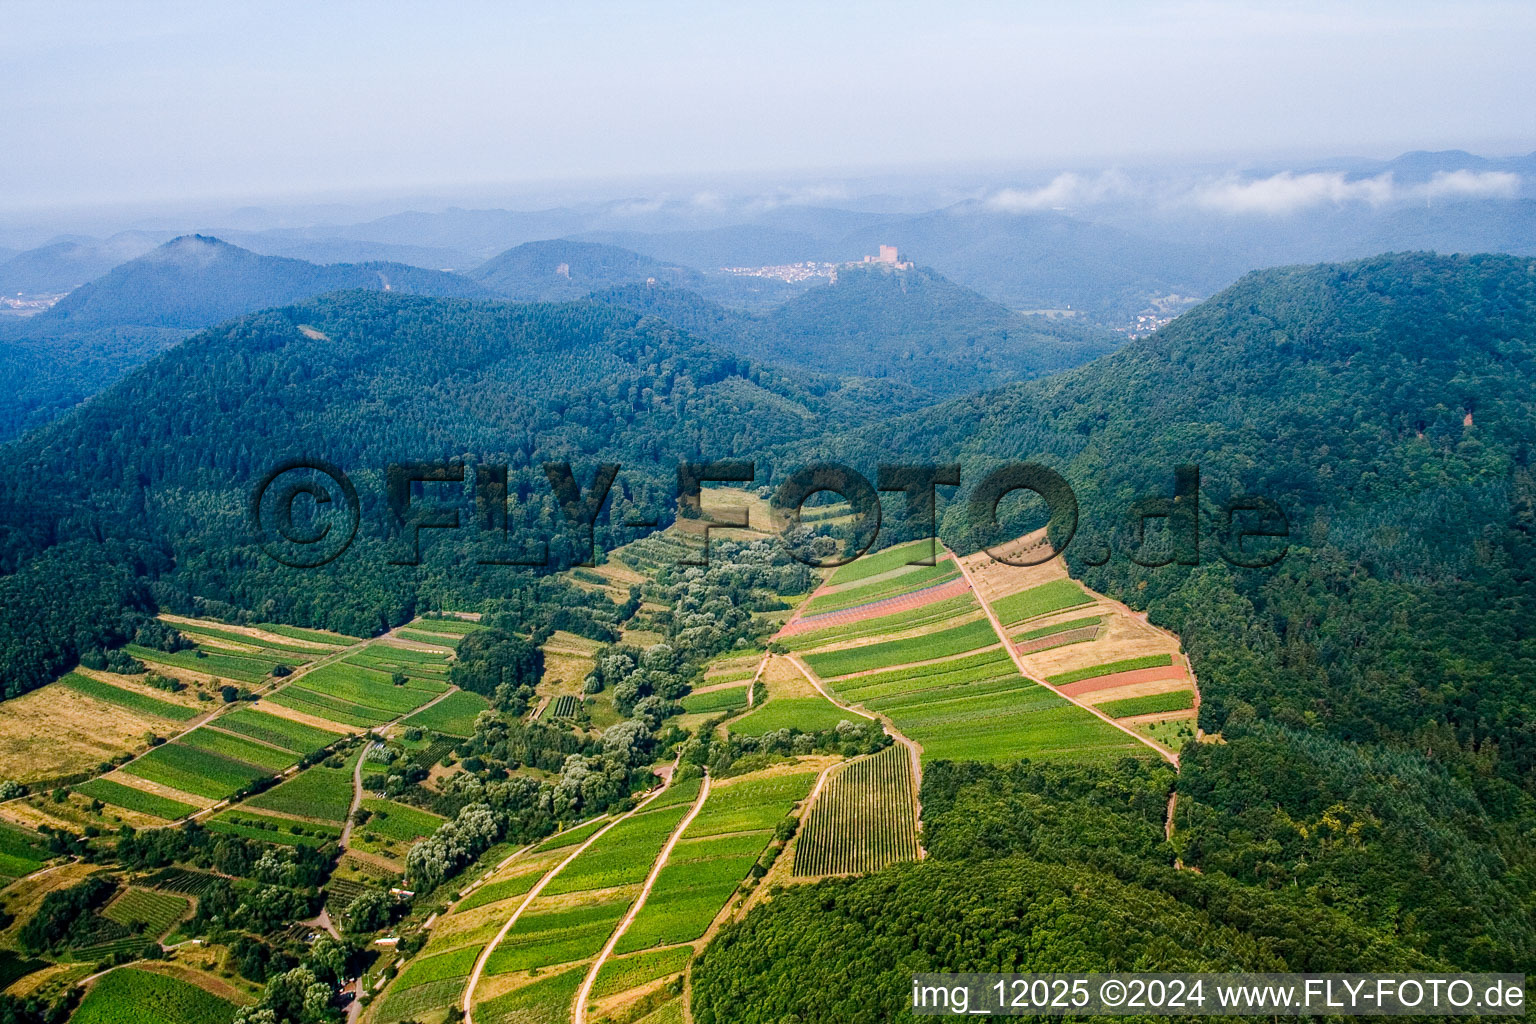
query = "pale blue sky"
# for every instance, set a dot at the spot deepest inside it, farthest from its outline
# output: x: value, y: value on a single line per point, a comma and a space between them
x: 118, y: 102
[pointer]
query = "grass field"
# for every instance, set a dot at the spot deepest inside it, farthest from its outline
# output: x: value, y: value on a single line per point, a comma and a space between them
x: 195, y: 771
x: 863, y: 819
x: 283, y: 732
x: 130, y: 996
x: 316, y: 792
x: 1155, y: 703
x: 926, y: 647
x: 1110, y: 668
x: 808, y: 714
x: 1047, y: 597
x: 119, y: 795
x: 138, y: 703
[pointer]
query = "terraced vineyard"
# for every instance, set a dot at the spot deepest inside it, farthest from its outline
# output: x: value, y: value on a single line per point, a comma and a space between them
x: 863, y: 819
x: 938, y: 672
x: 1090, y: 648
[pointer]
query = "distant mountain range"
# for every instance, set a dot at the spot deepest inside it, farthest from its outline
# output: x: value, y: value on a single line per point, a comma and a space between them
x: 101, y: 330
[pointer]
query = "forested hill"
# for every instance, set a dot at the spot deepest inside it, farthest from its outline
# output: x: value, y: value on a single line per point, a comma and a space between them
x: 195, y: 281
x: 562, y: 269
x: 153, y: 475
x: 911, y: 326
x: 1380, y: 680
x: 101, y: 330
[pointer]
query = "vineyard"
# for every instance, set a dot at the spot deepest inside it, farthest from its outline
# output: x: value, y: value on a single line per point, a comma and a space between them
x: 863, y: 819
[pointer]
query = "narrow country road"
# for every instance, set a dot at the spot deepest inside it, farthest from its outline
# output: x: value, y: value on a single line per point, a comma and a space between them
x: 579, y: 1014
x: 473, y: 981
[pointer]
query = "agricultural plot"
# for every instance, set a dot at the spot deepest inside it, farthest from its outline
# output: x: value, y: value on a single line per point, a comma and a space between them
x: 808, y: 714
x: 423, y: 637
x: 132, y: 996
x: 1111, y: 668
x: 276, y: 730
x: 912, y: 618
x: 317, y: 792
x: 1151, y: 704
x: 313, y: 635
x: 138, y: 703
x: 903, y: 581
x: 572, y: 918
x: 255, y: 640
x: 461, y: 627
x: 393, y: 828
x: 729, y: 698
x: 245, y: 668
x: 367, y: 688
x: 238, y: 748
x: 21, y: 852
x: 863, y: 820
x: 622, y: 973
x: 925, y: 647
x: 115, y: 793
x: 883, y: 561
x: 318, y: 705
x: 546, y: 999
x: 454, y: 714
x: 82, y: 733
x: 194, y: 770
x: 563, y: 706
x: 434, y: 979
x: 152, y: 913
x: 268, y: 829
x: 714, y: 856
x: 1041, y: 600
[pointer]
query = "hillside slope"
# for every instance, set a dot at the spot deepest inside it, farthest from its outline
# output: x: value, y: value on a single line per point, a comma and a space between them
x: 105, y: 328
x: 561, y: 269
x: 912, y: 328
x: 157, y: 470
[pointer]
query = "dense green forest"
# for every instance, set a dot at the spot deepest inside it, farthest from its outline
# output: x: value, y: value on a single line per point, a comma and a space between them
x: 151, y: 478
x: 912, y: 327
x: 1031, y: 869
x: 103, y: 329
x: 561, y: 269
x: 1371, y: 804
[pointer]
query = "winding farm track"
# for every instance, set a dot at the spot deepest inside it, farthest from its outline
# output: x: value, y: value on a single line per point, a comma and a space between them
x: 473, y: 981
x: 579, y: 1008
x: 1018, y: 660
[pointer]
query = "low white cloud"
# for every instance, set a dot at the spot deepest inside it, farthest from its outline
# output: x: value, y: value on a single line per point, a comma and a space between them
x: 1065, y: 190
x: 1288, y: 192
x: 1471, y: 184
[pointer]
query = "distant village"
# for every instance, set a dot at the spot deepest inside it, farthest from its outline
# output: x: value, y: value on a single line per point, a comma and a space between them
x: 793, y: 273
